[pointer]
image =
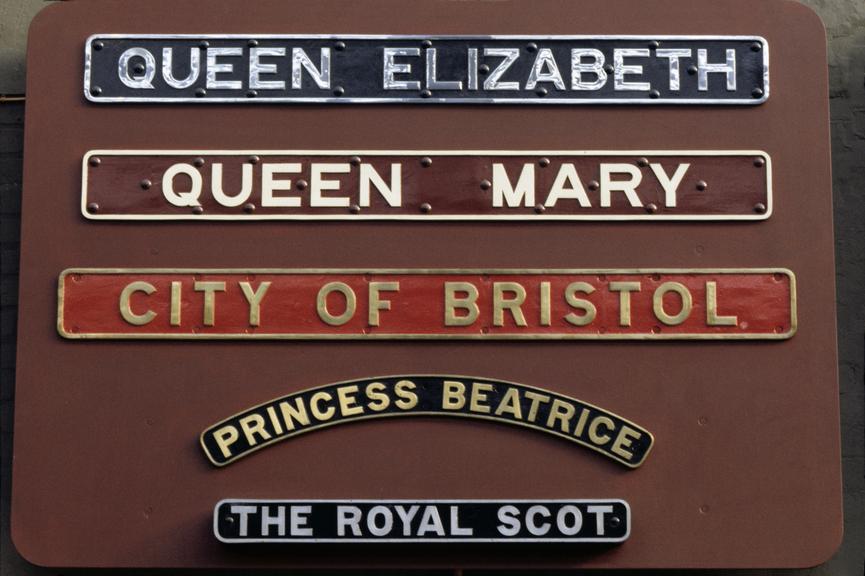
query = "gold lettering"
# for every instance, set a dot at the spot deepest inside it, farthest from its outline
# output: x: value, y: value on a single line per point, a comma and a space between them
x: 380, y: 400
x: 658, y: 303
x: 453, y: 395
x: 581, y: 422
x: 347, y: 402
x: 315, y: 400
x: 350, y: 303
x: 291, y: 413
x: 510, y: 404
x: 274, y: 419
x: 500, y: 303
x: 407, y: 398
x: 225, y: 437
x: 545, y: 304
x: 468, y: 303
x: 561, y: 411
x: 589, y: 310
x: 623, y: 441
x: 254, y: 299
x: 479, y: 397
x: 175, y: 303
x: 536, y: 400
x: 712, y: 318
x: 594, y: 435
x: 126, y: 309
x: 210, y: 289
x: 624, y: 289
x: 376, y: 303
x: 252, y: 425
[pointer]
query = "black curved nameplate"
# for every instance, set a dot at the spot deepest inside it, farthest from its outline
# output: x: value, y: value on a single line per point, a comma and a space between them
x: 454, y: 396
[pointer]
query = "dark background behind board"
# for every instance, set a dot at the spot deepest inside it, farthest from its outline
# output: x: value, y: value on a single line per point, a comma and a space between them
x: 846, y: 22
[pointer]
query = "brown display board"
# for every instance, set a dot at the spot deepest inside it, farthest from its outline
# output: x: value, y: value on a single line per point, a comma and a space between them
x: 743, y: 471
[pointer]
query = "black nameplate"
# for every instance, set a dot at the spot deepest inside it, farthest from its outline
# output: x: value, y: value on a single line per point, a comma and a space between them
x: 328, y: 521
x: 428, y: 69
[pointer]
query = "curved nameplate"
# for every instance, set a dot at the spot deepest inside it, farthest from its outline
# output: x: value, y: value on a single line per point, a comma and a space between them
x: 460, y: 396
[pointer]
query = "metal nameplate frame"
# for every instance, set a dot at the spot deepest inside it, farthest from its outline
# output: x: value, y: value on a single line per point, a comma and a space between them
x: 257, y: 521
x: 427, y: 304
x: 431, y: 185
x: 428, y: 69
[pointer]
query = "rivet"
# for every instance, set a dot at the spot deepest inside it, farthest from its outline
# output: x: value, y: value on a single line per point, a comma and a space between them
x: 354, y: 160
x: 301, y: 184
x: 701, y: 185
x: 426, y: 208
x: 541, y: 92
x: 651, y: 208
x: 702, y: 421
x: 249, y: 207
x: 197, y: 210
x: 93, y: 207
x: 642, y: 162
x: 425, y: 93
x: 692, y: 69
x: 96, y: 90
x: 609, y: 68
x: 539, y: 209
x: 593, y: 185
x: 544, y: 162
x: 204, y: 44
x: 615, y: 521
x: 704, y: 509
x: 229, y: 519
x: 777, y: 277
x: 426, y: 43
x: 757, y: 93
x: 252, y: 42
x: 98, y: 45
x: 654, y: 44
x: 145, y: 184
x: 656, y: 277
x: 338, y: 91
x: 199, y: 162
x: 94, y: 161
x: 654, y: 94
x: 760, y: 208
x: 485, y: 185
x: 426, y: 161
x: 139, y: 68
x: 759, y: 161
x: 532, y: 47
x: 200, y: 93
x: 251, y: 93
x: 354, y: 209
x: 656, y: 329
x: 484, y: 69
x: 340, y: 46
x: 254, y: 159
x: 756, y: 47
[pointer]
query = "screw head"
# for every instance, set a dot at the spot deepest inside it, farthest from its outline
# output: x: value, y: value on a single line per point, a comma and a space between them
x: 593, y: 185
x: 615, y: 521
x: 760, y: 208
x: 139, y: 69
x: 692, y: 69
x: 338, y: 91
x: 249, y: 207
x: 486, y: 185
x: 93, y: 207
x: 200, y: 93
x: 544, y: 162
x: 654, y: 94
x: 759, y: 161
x: 426, y: 161
x: 354, y: 209
x: 757, y: 93
x: 339, y: 46
x: 94, y: 161
x: 98, y: 45
x: 197, y: 210
x: 96, y: 90
x: 354, y: 160
x: 756, y: 47
x: 540, y: 209
x: 301, y: 184
x: 651, y: 208
x: 425, y: 208
x: 199, y: 162
x: 145, y: 184
x: 609, y: 68
x: 701, y: 185
x: 541, y: 92
x: 254, y: 159
x: 532, y: 47
x: 425, y: 93
x: 251, y: 93
x: 252, y: 42
x: 654, y: 44
x: 484, y: 69
x: 642, y: 162
x: 204, y: 44
x: 426, y: 43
